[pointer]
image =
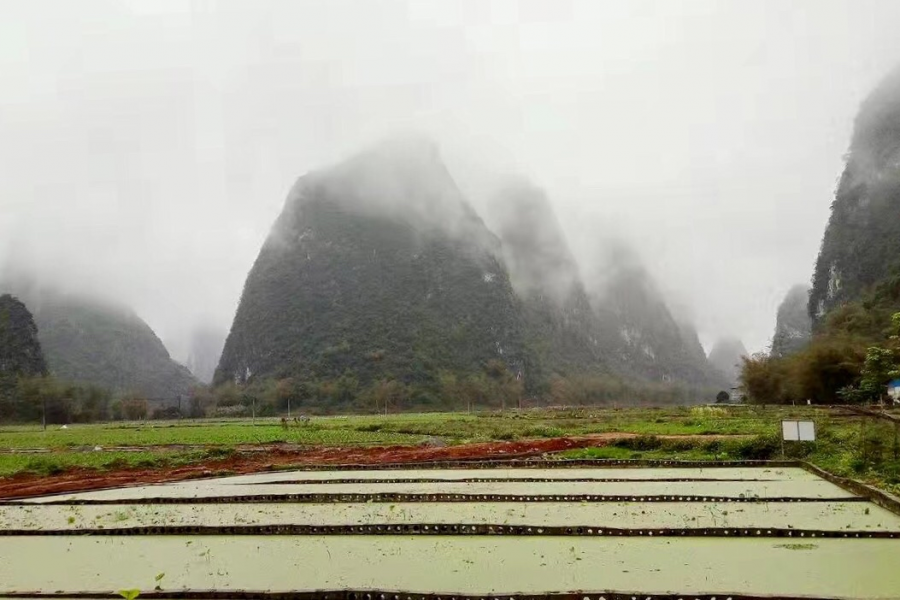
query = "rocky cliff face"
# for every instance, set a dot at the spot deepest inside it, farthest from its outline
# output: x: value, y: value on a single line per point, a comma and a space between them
x: 377, y: 267
x: 20, y: 349
x: 793, y: 325
x: 861, y: 246
x: 644, y: 339
x: 93, y: 342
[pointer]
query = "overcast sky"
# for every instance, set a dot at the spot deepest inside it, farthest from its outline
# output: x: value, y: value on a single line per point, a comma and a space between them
x: 147, y: 147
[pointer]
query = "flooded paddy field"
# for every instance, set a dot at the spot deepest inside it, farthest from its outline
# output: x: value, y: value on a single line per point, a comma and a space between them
x: 748, y: 532
x: 833, y: 516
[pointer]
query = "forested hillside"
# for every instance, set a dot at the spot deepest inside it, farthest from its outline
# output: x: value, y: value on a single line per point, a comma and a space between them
x: 861, y: 246
x: 20, y: 349
x: 379, y: 285
x: 855, y: 298
x: 92, y: 342
x: 559, y: 326
x: 376, y: 270
x: 645, y: 339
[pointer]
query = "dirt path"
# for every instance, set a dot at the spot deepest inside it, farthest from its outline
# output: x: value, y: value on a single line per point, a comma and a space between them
x: 251, y: 459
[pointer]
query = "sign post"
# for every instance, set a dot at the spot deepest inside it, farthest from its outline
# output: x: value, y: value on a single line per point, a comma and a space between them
x: 797, y: 431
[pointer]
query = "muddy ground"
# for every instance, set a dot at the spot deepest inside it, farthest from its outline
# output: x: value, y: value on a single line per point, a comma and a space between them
x: 253, y: 459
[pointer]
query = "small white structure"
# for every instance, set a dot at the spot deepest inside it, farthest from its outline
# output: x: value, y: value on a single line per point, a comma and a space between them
x: 893, y: 391
x: 798, y: 431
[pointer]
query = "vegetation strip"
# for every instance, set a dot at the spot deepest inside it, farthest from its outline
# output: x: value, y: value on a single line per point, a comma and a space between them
x: 400, y: 498
x: 548, y: 464
x: 397, y: 595
x: 874, y: 495
x: 452, y: 529
x: 503, y: 480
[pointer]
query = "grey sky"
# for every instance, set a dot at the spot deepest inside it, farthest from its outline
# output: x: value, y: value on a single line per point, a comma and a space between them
x: 146, y: 147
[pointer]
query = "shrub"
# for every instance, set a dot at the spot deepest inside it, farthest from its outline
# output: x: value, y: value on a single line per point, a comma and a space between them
x: 544, y: 432
x: 369, y: 427
x: 761, y: 447
x: 43, y: 466
x: 641, y: 442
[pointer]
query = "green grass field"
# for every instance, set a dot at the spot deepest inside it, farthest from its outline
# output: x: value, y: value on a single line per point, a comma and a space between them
x: 844, y: 446
x: 409, y: 428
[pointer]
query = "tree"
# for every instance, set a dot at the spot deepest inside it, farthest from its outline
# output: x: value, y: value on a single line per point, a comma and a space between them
x: 474, y: 389
x: 87, y: 403
x: 134, y: 407
x: 880, y: 367
x: 201, y: 401
x: 249, y: 399
x: 502, y: 383
x: 763, y: 379
x: 387, y: 393
x: 37, y: 393
x: 228, y: 394
x: 285, y: 393
x: 449, y: 386
x: 826, y: 366
x: 560, y: 390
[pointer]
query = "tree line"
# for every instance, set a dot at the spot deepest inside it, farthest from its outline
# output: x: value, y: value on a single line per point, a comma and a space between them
x: 45, y: 399
x: 851, y: 358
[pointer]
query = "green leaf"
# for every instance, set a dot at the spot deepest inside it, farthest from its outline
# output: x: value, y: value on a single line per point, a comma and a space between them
x: 129, y: 594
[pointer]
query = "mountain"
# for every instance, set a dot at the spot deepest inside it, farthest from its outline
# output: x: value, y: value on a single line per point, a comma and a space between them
x: 693, y: 348
x: 94, y: 342
x: 861, y: 246
x: 792, y: 326
x: 377, y: 267
x: 20, y: 349
x: 559, y: 325
x: 855, y: 293
x: 204, y: 352
x: 726, y: 357
x: 643, y: 338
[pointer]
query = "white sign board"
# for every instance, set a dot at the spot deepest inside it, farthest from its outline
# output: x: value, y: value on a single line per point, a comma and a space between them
x: 798, y: 431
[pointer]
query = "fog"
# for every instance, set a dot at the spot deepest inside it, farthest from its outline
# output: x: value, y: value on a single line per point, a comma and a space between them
x: 147, y: 147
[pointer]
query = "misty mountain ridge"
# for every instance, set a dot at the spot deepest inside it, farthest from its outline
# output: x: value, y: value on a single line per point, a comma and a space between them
x: 204, y: 351
x: 622, y: 326
x: 843, y: 347
x: 378, y: 268
x: 726, y: 356
x: 651, y: 343
x: 559, y: 324
x: 91, y: 341
x: 349, y: 282
x: 861, y: 245
x: 534, y: 246
x: 402, y: 178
